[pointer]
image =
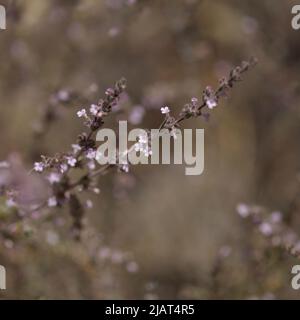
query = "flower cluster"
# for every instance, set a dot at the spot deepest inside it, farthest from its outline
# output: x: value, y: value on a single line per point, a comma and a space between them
x: 143, y: 145
x: 210, y: 98
x: 82, y: 156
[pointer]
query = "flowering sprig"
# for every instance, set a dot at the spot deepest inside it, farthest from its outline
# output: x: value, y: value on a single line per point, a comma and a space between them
x: 143, y: 145
x: 58, y: 169
x: 210, y: 98
x: 84, y: 151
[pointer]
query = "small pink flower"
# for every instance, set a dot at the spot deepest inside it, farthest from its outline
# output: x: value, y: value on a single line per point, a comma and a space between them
x: 109, y: 92
x: 94, y: 109
x: 165, y: 110
x: 125, y: 168
x: 39, y: 166
x: 71, y: 161
x: 91, y: 154
x: 96, y: 190
x: 81, y: 113
x: 211, y: 103
x: 194, y: 100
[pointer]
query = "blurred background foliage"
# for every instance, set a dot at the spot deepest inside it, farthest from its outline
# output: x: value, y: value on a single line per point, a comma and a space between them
x: 180, y: 234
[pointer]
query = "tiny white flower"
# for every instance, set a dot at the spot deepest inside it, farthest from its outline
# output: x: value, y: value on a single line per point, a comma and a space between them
x: 125, y: 168
x: 81, y: 113
x: 94, y: 109
x: 211, y: 103
x: 91, y: 154
x: 142, y: 145
x: 54, y: 177
x: 143, y: 139
x: 76, y: 148
x: 194, y: 100
x: 39, y: 166
x: 52, y: 202
x: 109, y: 91
x: 71, y: 161
x: 96, y: 190
x: 164, y: 110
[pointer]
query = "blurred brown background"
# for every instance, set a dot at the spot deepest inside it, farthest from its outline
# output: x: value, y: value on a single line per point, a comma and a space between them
x: 170, y: 227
